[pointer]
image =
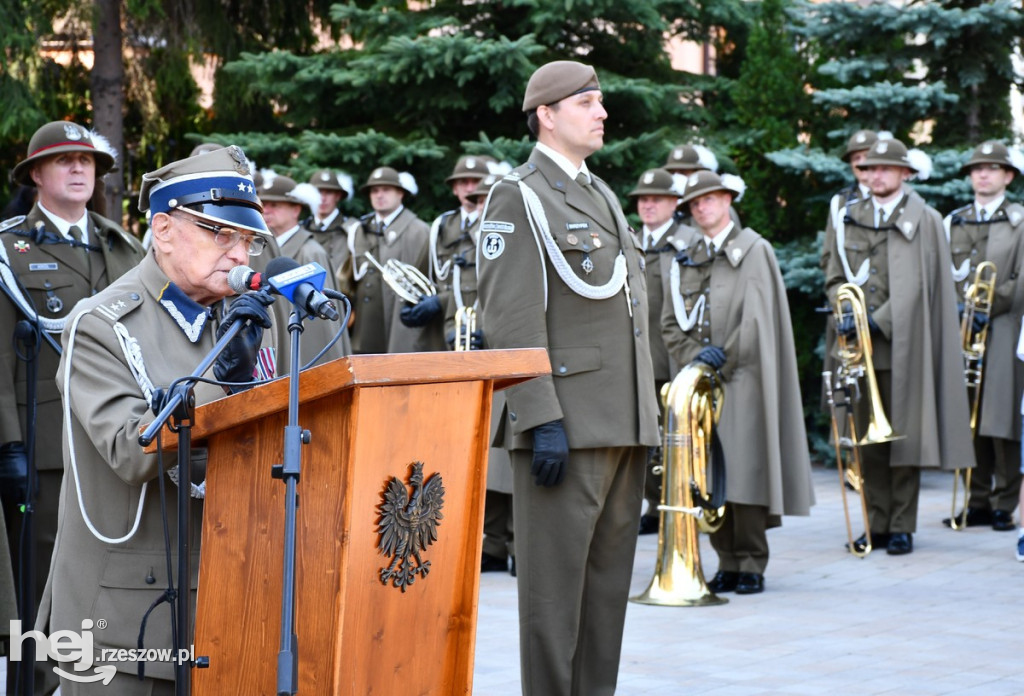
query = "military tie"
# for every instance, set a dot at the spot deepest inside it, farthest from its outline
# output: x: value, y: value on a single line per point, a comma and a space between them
x: 76, y: 234
x: 590, y: 190
x: 984, y: 214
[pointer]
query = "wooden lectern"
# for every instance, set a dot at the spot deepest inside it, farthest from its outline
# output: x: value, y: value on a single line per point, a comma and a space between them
x: 371, y: 418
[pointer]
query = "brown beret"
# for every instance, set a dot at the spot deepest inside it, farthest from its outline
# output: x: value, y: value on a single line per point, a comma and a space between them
x: 557, y: 80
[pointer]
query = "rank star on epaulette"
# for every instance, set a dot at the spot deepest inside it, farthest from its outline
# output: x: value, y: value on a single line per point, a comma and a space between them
x: 21, y: 246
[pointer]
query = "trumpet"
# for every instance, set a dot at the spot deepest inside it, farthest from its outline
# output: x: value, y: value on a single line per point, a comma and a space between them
x: 407, y: 281
x: 465, y: 325
x: 977, y: 300
x: 855, y: 364
x: 689, y: 500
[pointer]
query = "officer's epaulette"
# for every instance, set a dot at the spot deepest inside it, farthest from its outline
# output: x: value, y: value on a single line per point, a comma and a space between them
x: 957, y: 216
x: 448, y: 213
x: 367, y: 217
x: 1015, y: 213
x: 117, y: 307
x: 10, y: 223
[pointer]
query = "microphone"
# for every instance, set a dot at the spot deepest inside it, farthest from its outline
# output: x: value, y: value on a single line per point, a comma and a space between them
x: 302, y: 285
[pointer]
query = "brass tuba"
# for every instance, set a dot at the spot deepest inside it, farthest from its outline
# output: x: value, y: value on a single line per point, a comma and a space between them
x: 693, y: 403
x: 465, y: 325
x: 977, y: 300
x: 406, y: 280
x: 855, y: 364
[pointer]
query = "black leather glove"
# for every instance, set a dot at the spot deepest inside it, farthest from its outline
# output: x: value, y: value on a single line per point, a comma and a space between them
x: 713, y: 356
x: 847, y: 327
x: 476, y: 340
x: 237, y: 362
x: 980, y: 321
x: 873, y: 325
x: 449, y: 338
x: 13, y: 474
x: 550, y: 453
x: 422, y: 312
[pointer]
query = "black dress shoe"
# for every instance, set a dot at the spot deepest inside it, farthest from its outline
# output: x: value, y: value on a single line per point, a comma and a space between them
x: 489, y: 563
x: 649, y: 524
x: 1002, y: 521
x: 750, y: 583
x: 878, y: 540
x: 900, y: 543
x: 976, y: 517
x: 724, y: 581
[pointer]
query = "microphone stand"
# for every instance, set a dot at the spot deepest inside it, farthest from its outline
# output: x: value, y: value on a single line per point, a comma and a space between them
x: 289, y: 472
x: 180, y: 405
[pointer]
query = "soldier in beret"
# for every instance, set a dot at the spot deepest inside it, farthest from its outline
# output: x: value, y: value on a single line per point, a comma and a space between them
x: 123, y: 347
x: 50, y: 259
x: 992, y: 229
x: 283, y: 202
x: 391, y: 231
x: 330, y: 227
x: 724, y: 305
x: 449, y: 230
x: 559, y: 268
x: 657, y: 195
x: 914, y: 333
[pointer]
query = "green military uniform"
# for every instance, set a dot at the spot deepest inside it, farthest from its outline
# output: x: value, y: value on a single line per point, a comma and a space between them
x: 917, y: 357
x: 332, y: 232
x: 136, y: 336
x: 575, y: 540
x: 377, y: 327
x: 995, y: 234
x: 733, y: 297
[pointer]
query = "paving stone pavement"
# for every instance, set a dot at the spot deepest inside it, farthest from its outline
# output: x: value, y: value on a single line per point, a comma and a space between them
x: 942, y: 620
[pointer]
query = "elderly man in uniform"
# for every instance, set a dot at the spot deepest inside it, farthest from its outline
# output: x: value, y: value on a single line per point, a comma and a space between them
x: 448, y: 231
x: 330, y: 226
x: 914, y: 330
x: 657, y: 196
x: 122, y: 348
x: 49, y: 260
x: 558, y: 268
x: 992, y: 229
x: 724, y: 305
x: 283, y: 202
x: 391, y: 231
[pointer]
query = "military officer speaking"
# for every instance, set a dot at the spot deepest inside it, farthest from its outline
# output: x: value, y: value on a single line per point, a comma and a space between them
x: 57, y: 255
x: 558, y: 268
x: 122, y: 347
x: 991, y: 229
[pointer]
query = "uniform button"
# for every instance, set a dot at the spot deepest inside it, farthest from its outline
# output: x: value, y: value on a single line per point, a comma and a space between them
x: 562, y: 369
x: 636, y: 332
x: 871, y: 308
x: 874, y: 271
x: 974, y: 252
x: 705, y: 340
x: 707, y: 291
x: 134, y: 296
x: 872, y: 288
x: 512, y: 415
x: 635, y: 302
x: 367, y: 298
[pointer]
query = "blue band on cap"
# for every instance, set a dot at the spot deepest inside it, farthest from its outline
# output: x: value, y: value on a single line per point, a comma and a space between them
x: 220, y: 190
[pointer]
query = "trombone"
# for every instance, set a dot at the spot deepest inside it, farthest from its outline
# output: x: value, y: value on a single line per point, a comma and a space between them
x: 977, y: 300
x: 855, y: 364
x: 465, y: 325
x: 406, y: 280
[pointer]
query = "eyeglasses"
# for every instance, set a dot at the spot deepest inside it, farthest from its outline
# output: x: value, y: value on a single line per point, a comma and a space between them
x: 227, y: 237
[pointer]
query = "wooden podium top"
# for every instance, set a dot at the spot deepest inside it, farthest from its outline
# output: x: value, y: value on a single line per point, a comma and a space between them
x: 503, y: 367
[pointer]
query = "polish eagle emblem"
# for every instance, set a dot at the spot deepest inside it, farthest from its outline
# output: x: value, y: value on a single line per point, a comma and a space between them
x: 408, y: 525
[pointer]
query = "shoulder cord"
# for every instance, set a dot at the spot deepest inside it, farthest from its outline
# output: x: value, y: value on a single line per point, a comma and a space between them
x: 542, y: 233
x: 357, y: 271
x: 865, y: 267
x: 959, y: 274
x: 71, y: 443
x: 11, y: 281
x: 685, y: 321
x: 439, y: 270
